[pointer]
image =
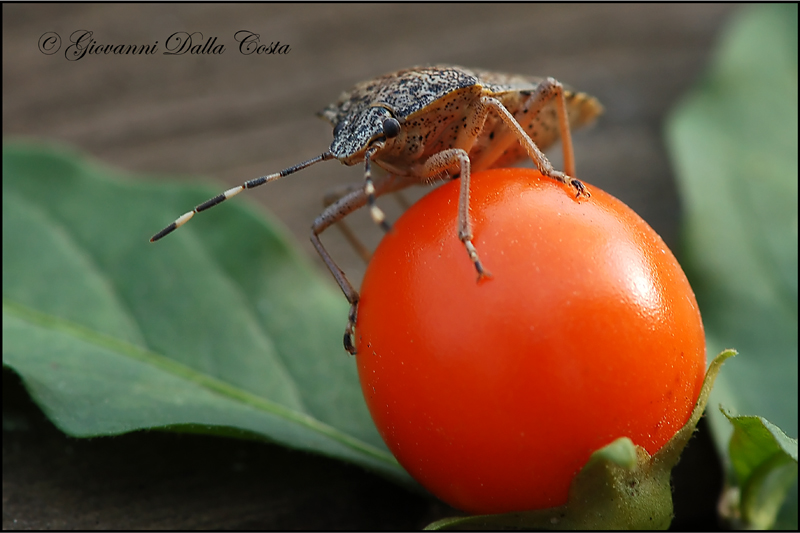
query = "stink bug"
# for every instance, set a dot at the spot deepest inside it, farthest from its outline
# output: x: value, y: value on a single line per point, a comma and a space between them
x: 429, y: 123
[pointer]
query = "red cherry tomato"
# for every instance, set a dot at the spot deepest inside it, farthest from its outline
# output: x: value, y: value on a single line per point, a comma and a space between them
x: 494, y: 394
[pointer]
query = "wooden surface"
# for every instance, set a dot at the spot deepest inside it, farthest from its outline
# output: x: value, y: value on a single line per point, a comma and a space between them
x: 232, y: 117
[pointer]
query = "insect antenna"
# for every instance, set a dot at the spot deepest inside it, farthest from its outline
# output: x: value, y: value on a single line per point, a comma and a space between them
x: 183, y: 219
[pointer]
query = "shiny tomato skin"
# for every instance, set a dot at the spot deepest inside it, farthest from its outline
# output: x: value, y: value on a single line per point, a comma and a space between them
x: 494, y: 394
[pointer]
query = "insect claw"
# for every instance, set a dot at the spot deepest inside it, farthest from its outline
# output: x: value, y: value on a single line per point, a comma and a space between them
x: 473, y: 255
x: 484, y: 275
x: 580, y: 188
x: 348, y: 342
x: 349, y: 332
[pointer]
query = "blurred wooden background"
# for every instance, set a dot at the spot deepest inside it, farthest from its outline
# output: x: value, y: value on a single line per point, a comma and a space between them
x: 232, y: 117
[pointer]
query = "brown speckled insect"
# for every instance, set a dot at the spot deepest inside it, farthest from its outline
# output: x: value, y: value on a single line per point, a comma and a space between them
x: 428, y: 123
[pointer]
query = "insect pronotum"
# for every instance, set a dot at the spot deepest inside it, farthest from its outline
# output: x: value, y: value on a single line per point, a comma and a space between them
x: 428, y: 123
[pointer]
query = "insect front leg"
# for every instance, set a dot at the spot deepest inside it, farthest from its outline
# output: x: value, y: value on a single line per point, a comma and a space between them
x: 440, y: 162
x: 544, y: 92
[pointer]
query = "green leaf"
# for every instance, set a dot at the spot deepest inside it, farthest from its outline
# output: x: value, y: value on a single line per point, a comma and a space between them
x: 222, y: 327
x: 764, y: 460
x: 733, y: 142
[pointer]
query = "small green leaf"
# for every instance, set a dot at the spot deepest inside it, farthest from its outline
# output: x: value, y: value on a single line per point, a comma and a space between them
x: 764, y: 460
x: 222, y: 327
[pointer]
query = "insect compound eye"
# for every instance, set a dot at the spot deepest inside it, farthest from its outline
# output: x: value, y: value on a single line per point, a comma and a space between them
x: 391, y: 127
